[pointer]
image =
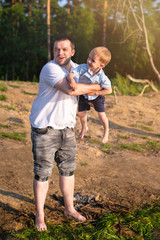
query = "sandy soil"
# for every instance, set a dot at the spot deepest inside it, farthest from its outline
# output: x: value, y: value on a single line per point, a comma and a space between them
x: 119, y: 177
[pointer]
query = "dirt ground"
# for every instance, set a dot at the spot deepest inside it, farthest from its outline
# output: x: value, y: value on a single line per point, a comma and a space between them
x: 119, y: 177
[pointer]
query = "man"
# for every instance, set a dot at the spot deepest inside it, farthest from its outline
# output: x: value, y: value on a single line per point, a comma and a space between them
x: 53, y: 117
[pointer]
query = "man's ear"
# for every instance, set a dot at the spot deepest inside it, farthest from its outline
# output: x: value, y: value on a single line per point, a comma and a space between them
x: 73, y: 52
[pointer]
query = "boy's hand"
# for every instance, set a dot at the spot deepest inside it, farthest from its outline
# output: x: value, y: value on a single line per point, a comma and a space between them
x: 71, y: 81
x: 73, y: 85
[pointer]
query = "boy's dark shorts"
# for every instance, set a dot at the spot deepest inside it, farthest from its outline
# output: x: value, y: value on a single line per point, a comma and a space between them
x: 98, y: 103
x: 49, y: 144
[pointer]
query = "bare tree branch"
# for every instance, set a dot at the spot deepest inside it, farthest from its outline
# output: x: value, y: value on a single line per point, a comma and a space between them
x: 147, y: 43
x: 135, y: 17
x: 149, y: 83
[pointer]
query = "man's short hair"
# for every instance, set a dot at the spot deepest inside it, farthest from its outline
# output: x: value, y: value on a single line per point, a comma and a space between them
x: 103, y: 53
x: 63, y: 38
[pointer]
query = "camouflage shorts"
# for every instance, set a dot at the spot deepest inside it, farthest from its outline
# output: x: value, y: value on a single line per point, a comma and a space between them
x: 49, y: 144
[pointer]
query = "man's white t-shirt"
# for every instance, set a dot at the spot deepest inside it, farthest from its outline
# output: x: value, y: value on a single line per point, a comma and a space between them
x: 52, y: 107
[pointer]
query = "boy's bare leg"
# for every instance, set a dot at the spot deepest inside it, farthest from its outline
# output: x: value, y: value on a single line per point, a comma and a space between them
x: 83, y: 119
x: 104, y: 120
x: 67, y: 189
x: 40, y: 192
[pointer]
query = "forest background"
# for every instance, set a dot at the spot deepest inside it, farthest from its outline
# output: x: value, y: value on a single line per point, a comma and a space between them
x: 128, y: 28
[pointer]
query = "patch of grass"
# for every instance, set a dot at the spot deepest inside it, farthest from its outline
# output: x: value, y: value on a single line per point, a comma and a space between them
x: 153, y: 145
x: 8, y: 108
x: 3, y: 88
x: 14, y: 135
x: 4, y: 126
x: 3, y: 97
x: 83, y: 163
x: 127, y: 87
x: 14, y: 86
x: 28, y: 93
x: 122, y: 137
x: 142, y: 127
x: 129, y: 224
x: 133, y: 147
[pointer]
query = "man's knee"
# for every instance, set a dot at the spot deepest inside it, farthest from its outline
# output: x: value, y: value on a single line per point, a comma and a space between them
x: 66, y: 174
x: 41, y: 179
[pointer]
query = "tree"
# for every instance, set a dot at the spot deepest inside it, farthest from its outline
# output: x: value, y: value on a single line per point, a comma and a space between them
x: 133, y: 15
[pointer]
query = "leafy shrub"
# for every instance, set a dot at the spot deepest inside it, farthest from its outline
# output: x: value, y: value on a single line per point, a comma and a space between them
x: 3, y: 88
x: 3, y: 97
x: 127, y: 87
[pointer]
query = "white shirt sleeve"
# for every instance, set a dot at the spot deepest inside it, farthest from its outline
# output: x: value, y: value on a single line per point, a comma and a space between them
x: 51, y: 73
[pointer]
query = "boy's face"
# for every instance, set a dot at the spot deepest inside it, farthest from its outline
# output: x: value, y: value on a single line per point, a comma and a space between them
x: 63, y: 52
x: 94, y: 63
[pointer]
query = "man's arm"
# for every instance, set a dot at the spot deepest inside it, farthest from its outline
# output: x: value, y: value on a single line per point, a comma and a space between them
x: 82, y: 88
x: 103, y: 91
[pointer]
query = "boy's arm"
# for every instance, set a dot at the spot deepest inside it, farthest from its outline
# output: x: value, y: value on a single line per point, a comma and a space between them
x: 71, y: 81
x: 82, y: 88
x: 103, y: 91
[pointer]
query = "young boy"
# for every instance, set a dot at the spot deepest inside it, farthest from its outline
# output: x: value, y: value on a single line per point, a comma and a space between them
x: 92, y: 72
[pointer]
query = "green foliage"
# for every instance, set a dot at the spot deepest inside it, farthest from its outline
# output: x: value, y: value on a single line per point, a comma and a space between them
x: 28, y: 93
x: 3, y: 97
x: 14, y: 135
x: 133, y: 147
x: 14, y: 86
x: 125, y: 86
x: 23, y: 34
x: 3, y: 88
x: 8, y: 108
x: 141, y: 223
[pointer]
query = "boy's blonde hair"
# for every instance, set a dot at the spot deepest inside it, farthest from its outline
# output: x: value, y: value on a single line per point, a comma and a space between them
x: 103, y: 53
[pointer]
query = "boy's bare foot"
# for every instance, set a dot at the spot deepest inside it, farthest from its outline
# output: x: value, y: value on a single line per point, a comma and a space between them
x: 82, y: 133
x: 40, y: 224
x: 105, y: 137
x: 75, y: 215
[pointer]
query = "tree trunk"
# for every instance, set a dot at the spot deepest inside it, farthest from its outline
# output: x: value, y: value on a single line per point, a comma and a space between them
x: 48, y: 30
x: 104, y: 23
x: 147, y: 43
x: 69, y: 8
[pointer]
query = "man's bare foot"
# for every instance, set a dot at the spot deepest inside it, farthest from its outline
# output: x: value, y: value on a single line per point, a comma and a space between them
x: 40, y: 224
x: 75, y: 215
x: 82, y: 133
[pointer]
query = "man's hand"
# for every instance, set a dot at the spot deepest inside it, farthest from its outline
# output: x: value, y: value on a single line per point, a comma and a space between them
x: 92, y: 93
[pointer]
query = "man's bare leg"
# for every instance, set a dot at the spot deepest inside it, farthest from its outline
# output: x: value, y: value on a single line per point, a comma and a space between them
x: 40, y: 192
x: 104, y: 120
x: 83, y: 119
x: 67, y: 189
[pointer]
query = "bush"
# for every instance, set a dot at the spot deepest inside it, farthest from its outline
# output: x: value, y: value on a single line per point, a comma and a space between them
x: 127, y: 87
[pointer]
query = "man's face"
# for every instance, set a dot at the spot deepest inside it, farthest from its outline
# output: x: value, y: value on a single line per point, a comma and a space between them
x: 63, y: 52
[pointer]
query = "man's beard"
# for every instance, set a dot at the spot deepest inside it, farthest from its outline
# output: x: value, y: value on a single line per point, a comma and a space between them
x: 66, y: 62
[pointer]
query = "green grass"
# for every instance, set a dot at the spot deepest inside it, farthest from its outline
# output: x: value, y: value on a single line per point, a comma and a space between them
x: 142, y: 127
x: 8, y: 108
x: 3, y: 88
x: 14, y: 135
x: 83, y: 163
x: 3, y: 97
x: 28, y: 93
x: 4, y: 126
x: 14, y: 86
x: 140, y: 223
x: 148, y: 146
x: 133, y: 147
